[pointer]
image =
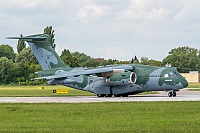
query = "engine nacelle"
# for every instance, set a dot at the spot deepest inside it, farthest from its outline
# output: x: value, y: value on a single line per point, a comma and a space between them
x: 122, y: 78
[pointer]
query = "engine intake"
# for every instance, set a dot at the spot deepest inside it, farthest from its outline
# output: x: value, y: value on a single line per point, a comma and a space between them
x: 122, y: 78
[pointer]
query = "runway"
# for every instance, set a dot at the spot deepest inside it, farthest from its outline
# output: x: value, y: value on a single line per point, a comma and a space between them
x: 183, y: 95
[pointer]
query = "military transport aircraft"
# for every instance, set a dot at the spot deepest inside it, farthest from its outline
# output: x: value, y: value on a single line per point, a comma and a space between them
x: 118, y: 80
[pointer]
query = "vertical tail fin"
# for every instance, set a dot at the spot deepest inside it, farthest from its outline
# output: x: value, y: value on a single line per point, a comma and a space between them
x: 43, y: 51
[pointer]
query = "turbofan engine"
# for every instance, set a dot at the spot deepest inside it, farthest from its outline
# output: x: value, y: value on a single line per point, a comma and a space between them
x: 121, y: 78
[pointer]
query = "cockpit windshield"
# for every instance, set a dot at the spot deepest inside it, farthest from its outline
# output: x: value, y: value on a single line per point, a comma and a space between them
x: 177, y: 73
x: 169, y: 74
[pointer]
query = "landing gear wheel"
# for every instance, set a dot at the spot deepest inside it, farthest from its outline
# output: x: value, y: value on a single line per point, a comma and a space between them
x: 100, y: 95
x: 170, y: 94
x: 108, y: 95
x: 124, y: 95
x: 118, y: 95
x: 174, y: 94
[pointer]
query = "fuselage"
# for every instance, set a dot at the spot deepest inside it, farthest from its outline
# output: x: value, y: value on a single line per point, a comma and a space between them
x: 148, y: 78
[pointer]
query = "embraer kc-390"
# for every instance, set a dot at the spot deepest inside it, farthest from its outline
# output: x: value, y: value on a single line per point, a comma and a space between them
x: 118, y: 80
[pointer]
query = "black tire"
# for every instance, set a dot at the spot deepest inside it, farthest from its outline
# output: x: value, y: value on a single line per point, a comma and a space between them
x: 108, y: 95
x: 118, y: 95
x: 100, y: 95
x: 174, y: 94
x: 170, y: 94
x: 124, y: 95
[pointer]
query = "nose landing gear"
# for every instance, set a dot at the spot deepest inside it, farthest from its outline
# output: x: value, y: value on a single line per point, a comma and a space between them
x: 172, y: 94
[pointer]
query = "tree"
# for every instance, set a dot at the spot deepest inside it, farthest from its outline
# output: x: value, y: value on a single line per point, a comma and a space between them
x: 25, y: 66
x: 75, y: 62
x: 26, y: 56
x: 69, y: 59
x: 21, y: 44
x: 107, y: 62
x: 135, y: 60
x: 144, y: 61
x: 6, y: 70
x: 154, y: 63
x: 49, y: 30
x: 82, y: 58
x: 7, y: 51
x: 183, y: 57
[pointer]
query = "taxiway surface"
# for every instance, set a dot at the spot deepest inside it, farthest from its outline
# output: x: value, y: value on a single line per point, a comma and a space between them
x: 183, y: 95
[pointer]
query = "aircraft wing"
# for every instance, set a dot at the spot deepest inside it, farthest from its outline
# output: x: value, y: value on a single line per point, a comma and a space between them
x: 77, y: 73
x: 98, y: 70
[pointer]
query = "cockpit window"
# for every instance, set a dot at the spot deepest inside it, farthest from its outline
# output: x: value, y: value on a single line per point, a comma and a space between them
x: 169, y: 74
x: 166, y: 75
x: 176, y: 73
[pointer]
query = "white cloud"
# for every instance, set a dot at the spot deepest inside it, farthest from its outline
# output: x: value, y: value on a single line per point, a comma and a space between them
x: 158, y: 14
x: 153, y: 10
x: 34, y: 4
x: 118, y: 53
x: 90, y: 11
x: 109, y: 29
x: 26, y: 4
x: 189, y: 12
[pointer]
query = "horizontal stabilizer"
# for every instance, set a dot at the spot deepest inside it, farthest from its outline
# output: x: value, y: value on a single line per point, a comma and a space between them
x: 29, y: 38
x: 26, y: 37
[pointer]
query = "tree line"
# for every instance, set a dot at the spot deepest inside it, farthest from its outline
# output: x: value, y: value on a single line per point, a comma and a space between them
x: 18, y: 68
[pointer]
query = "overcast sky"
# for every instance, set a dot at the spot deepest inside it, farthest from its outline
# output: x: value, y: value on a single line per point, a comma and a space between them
x: 116, y: 29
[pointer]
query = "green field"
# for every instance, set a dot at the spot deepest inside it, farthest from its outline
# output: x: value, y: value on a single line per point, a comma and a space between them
x: 25, y: 91
x: 94, y: 117
x: 195, y: 87
x: 7, y: 91
x: 101, y: 117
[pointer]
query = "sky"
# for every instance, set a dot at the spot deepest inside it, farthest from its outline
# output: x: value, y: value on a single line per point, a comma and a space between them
x: 110, y: 29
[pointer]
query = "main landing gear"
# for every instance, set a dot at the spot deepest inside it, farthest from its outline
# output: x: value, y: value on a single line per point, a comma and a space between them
x: 104, y: 95
x: 172, y: 94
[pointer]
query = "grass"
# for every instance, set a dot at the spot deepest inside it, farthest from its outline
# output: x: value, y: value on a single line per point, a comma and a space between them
x: 17, y: 91
x: 101, y: 117
x: 197, y: 85
x: 94, y: 117
x: 194, y: 87
x: 25, y: 91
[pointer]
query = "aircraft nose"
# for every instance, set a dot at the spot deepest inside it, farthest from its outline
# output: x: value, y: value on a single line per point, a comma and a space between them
x: 185, y: 83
